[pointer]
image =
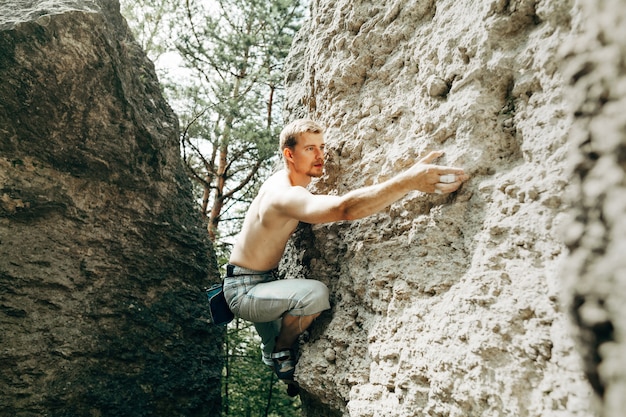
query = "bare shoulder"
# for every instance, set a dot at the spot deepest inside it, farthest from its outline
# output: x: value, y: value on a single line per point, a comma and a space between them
x: 279, y: 201
x: 277, y: 189
x: 277, y: 181
x: 271, y: 194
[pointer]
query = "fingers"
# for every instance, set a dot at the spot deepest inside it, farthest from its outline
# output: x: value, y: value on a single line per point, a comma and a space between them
x: 439, y: 179
x: 440, y: 169
x: 447, y: 178
x: 448, y: 183
x: 458, y: 175
x: 446, y: 188
x: 431, y: 157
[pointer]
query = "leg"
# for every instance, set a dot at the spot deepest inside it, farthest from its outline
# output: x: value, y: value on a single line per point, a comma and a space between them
x: 269, y: 332
x: 281, y: 310
x: 286, y: 359
x: 292, y: 327
x: 271, y: 301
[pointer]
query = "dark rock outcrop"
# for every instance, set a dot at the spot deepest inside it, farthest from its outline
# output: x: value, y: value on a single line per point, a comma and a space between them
x: 102, y: 258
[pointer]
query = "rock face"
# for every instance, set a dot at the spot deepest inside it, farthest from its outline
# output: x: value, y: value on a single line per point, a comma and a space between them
x: 102, y: 259
x: 460, y: 305
x: 596, y: 269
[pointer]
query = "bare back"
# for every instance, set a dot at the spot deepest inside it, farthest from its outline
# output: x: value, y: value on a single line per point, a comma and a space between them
x: 265, y: 232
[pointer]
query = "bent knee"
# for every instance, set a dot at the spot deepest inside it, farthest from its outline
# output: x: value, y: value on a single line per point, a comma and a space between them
x: 318, y: 290
x: 321, y: 289
x: 317, y: 299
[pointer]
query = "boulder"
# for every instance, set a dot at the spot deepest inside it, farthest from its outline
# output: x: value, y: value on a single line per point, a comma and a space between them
x: 103, y: 257
x: 478, y: 303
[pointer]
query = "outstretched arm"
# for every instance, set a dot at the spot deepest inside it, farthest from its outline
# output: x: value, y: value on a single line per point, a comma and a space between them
x: 300, y: 204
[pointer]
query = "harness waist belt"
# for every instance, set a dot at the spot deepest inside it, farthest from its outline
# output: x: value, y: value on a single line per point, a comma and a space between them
x: 230, y: 271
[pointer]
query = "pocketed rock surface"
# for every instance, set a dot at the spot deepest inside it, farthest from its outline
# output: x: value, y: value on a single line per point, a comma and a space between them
x: 102, y: 258
x: 507, y: 297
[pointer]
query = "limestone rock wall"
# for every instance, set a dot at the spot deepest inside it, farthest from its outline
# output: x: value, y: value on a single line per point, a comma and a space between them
x: 102, y: 258
x: 595, y: 273
x: 448, y: 305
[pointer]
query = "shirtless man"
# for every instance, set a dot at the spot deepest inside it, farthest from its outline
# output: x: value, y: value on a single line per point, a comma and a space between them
x: 282, y: 309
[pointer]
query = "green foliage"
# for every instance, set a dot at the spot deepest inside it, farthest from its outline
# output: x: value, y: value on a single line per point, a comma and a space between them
x: 151, y: 22
x: 236, y: 48
x: 249, y: 387
x: 228, y: 95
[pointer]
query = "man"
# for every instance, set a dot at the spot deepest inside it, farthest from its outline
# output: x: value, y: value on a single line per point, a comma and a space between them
x: 282, y: 309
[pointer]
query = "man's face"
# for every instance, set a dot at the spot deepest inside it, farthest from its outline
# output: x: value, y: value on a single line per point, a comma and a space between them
x: 308, y: 154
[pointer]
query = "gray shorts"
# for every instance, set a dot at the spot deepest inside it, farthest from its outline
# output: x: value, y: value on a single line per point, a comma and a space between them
x: 258, y: 296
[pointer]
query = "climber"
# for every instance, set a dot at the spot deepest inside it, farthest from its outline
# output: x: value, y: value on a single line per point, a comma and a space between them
x: 282, y: 309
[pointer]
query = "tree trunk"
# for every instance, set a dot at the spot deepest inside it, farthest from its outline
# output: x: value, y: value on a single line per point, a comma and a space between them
x: 218, y: 201
x: 222, y: 175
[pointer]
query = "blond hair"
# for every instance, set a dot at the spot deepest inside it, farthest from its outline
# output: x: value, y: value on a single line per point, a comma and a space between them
x: 291, y: 133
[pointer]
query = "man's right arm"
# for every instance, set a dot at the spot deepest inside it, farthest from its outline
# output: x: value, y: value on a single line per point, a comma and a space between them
x: 300, y: 204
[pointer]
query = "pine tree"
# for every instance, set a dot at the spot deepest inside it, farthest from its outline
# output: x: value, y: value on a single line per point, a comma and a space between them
x: 151, y: 21
x: 231, y: 136
x: 229, y: 110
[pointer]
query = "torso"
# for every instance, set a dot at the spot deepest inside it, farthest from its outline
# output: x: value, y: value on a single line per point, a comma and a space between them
x: 264, y: 234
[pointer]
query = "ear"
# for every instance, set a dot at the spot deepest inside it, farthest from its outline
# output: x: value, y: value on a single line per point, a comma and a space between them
x: 288, y: 154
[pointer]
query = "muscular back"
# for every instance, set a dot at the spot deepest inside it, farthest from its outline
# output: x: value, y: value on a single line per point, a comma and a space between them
x: 265, y: 230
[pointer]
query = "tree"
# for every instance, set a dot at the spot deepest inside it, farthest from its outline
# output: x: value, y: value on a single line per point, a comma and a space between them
x: 230, y: 139
x: 229, y: 105
x: 151, y: 20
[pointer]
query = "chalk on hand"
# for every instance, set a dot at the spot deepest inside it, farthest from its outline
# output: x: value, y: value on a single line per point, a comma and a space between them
x: 447, y: 179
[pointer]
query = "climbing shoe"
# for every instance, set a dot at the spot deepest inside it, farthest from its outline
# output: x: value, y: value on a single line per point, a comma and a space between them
x: 284, y: 364
x: 266, y: 358
x: 293, y: 388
